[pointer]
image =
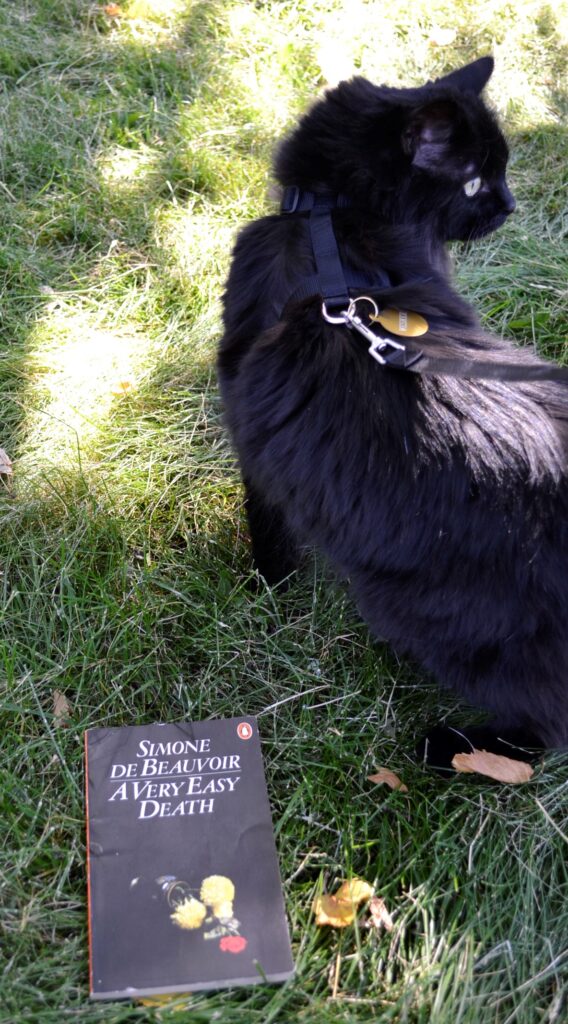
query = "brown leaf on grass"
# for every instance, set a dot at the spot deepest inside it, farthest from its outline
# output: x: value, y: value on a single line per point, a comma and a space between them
x: 340, y: 909
x: 495, y: 766
x: 112, y: 10
x: 380, y: 917
x: 5, y: 463
x: 392, y: 780
x: 61, y: 708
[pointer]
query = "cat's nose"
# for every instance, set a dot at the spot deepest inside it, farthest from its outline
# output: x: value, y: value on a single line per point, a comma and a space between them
x: 509, y: 204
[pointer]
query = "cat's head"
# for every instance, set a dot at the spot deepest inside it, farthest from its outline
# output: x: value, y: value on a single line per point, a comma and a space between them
x: 433, y: 156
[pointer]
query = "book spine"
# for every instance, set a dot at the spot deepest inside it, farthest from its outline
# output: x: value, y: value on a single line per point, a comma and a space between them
x: 88, y: 836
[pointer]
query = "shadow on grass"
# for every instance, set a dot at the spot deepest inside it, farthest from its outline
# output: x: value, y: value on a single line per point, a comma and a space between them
x: 126, y: 169
x: 132, y: 172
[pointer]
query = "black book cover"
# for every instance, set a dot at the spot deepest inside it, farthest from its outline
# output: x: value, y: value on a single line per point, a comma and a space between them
x: 184, y: 886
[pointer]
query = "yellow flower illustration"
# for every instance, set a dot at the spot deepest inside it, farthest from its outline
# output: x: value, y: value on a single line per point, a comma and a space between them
x: 217, y: 890
x: 222, y: 910
x: 189, y: 914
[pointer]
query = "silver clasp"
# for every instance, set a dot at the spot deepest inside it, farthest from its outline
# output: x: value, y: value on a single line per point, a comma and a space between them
x: 350, y: 318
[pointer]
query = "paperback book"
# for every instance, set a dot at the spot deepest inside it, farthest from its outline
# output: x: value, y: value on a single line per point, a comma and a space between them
x: 183, y: 881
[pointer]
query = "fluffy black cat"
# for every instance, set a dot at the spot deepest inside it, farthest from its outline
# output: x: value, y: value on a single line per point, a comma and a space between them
x: 443, y: 500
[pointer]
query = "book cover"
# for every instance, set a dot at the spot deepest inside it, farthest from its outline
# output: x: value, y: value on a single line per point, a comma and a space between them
x: 183, y: 880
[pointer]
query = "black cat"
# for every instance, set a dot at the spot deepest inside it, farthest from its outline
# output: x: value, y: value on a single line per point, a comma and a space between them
x: 442, y: 499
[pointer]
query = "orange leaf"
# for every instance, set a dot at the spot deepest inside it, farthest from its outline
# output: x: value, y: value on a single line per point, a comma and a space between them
x: 112, y: 10
x: 340, y: 910
x: 392, y: 780
x: 495, y: 766
x: 122, y: 387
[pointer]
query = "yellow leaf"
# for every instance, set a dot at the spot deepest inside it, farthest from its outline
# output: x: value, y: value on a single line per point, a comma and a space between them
x: 340, y: 909
x: 355, y: 890
x: 380, y: 916
x: 337, y: 913
x: 392, y: 780
x: 495, y: 766
x: 161, y: 1000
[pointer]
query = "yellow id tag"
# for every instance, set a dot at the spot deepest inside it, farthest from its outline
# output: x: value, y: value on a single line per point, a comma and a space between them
x: 402, y: 322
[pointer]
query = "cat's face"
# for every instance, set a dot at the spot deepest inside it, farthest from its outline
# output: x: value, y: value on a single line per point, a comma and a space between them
x: 456, y: 175
x: 433, y: 156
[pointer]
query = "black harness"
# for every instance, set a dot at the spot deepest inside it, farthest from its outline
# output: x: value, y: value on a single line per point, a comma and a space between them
x: 341, y: 286
x: 334, y: 281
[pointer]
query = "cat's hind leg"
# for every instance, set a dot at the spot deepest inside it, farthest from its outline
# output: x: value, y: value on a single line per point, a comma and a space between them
x: 274, y: 549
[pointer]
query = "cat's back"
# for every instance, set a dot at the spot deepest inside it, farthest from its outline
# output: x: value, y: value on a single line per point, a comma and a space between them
x: 270, y: 256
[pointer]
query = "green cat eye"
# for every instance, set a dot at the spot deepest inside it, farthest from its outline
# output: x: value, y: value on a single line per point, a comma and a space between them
x: 471, y: 188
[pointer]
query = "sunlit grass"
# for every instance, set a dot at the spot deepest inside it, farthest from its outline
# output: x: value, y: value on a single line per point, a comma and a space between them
x: 132, y: 148
x: 77, y: 372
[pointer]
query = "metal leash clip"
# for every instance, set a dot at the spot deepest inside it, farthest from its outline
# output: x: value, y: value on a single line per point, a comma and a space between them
x: 350, y: 319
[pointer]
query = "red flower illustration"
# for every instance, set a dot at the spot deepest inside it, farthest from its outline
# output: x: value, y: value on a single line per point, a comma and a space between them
x: 233, y: 943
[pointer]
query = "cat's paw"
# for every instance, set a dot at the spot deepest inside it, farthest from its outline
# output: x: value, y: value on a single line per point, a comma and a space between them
x: 441, y: 744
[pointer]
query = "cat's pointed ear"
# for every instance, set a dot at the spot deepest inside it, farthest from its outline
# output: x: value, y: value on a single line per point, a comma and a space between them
x: 472, y: 78
x: 429, y: 136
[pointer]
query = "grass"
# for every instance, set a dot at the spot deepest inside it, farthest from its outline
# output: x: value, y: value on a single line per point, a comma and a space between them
x: 133, y: 146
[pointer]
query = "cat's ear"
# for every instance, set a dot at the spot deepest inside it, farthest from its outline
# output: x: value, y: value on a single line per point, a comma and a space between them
x: 429, y: 136
x: 472, y: 78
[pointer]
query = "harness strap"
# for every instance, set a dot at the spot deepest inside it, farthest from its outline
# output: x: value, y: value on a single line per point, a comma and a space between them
x: 333, y: 280
x: 298, y: 200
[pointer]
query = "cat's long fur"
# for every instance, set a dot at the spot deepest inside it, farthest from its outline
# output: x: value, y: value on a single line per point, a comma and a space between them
x: 443, y: 500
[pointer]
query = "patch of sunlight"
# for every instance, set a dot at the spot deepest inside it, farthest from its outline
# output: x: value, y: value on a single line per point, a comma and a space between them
x: 264, y: 52
x: 156, y: 10
x: 150, y: 21
x: 124, y: 167
x: 198, y: 244
x: 406, y: 43
x: 358, y: 38
x: 77, y: 370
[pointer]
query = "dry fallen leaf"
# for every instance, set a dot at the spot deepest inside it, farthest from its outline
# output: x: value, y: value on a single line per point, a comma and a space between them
x: 5, y: 463
x: 495, y: 766
x: 340, y: 909
x: 380, y: 916
x: 392, y: 780
x: 112, y: 10
x: 61, y: 708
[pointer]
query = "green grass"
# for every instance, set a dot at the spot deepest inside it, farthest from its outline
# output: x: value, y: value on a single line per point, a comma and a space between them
x: 131, y: 150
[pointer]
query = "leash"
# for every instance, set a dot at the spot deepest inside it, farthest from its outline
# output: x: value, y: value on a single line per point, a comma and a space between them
x: 336, y: 282
x: 397, y: 356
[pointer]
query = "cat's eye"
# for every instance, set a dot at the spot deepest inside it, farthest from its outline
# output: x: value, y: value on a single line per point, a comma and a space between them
x: 471, y: 188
